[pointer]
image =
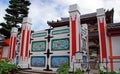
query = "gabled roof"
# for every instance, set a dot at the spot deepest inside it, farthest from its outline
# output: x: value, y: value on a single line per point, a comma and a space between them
x: 114, y: 26
x: 86, y: 18
x: 113, y: 29
x: 81, y: 17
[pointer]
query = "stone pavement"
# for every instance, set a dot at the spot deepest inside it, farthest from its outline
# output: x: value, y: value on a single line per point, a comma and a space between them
x: 92, y: 72
x: 35, y: 72
x: 49, y: 72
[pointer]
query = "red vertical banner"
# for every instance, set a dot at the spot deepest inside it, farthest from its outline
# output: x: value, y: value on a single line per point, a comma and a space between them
x: 111, y: 59
x: 14, y: 47
x: 27, y: 43
x: 22, y: 43
x: 11, y: 39
x: 102, y: 38
x: 73, y: 28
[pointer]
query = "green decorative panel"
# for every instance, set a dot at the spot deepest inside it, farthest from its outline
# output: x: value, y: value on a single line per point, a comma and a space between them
x: 84, y: 46
x: 38, y: 61
x: 60, y: 44
x: 39, y: 46
x: 83, y: 32
x: 60, y: 31
x: 18, y: 47
x: 84, y: 58
x: 57, y: 61
x: 39, y: 34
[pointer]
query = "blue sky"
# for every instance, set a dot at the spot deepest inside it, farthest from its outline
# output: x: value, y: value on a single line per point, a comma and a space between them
x: 42, y: 11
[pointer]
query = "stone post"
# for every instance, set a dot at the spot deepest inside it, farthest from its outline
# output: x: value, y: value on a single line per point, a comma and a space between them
x: 102, y: 36
x: 25, y: 42
x: 75, y: 34
x: 12, y: 46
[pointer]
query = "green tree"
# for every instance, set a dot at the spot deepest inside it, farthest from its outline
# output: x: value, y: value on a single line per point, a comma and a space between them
x: 15, y: 13
x: 63, y: 69
x: 6, y: 29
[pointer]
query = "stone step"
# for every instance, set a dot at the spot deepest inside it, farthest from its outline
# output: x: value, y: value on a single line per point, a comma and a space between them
x: 35, y: 72
x: 22, y: 72
x: 49, y: 72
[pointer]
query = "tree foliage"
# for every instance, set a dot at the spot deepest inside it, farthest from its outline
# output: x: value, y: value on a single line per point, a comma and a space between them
x: 6, y: 29
x: 15, y: 13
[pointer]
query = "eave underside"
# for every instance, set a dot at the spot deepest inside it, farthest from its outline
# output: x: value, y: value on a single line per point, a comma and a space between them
x: 85, y: 19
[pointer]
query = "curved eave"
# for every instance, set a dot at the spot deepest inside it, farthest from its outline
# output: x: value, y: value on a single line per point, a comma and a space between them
x: 113, y: 29
x: 3, y: 43
x: 65, y: 23
x: 87, y: 18
x: 58, y: 24
x: 113, y: 32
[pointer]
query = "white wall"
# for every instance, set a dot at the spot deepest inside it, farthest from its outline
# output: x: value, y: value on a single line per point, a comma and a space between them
x: 5, y: 51
x: 116, y: 45
x: 116, y: 51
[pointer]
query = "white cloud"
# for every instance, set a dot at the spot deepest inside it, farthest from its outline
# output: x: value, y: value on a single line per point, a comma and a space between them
x: 2, y: 11
x: 43, y: 11
x: 40, y: 13
x: 109, y: 4
x: 86, y: 6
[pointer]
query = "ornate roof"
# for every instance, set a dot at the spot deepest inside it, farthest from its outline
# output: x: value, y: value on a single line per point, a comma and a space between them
x: 113, y: 29
x: 113, y: 26
x: 86, y: 18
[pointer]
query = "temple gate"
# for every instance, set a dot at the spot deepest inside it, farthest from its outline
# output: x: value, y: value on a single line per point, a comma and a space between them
x: 48, y: 49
